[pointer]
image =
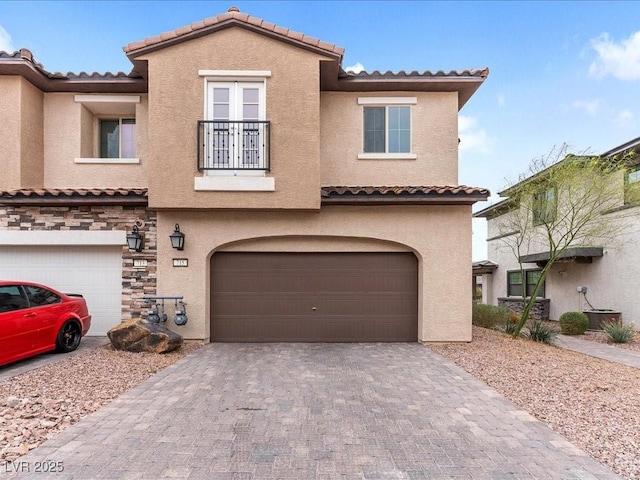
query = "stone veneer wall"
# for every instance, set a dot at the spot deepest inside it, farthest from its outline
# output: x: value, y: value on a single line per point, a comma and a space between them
x: 540, y: 310
x: 137, y: 281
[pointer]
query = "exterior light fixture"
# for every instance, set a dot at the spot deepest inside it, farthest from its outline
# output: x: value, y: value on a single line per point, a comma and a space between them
x: 135, y: 240
x: 177, y: 238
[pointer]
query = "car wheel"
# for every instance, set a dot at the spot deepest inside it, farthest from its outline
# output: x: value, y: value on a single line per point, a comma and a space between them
x: 68, y: 337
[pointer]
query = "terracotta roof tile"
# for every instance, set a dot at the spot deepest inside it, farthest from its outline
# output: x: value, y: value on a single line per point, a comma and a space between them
x: 168, y: 35
x: 421, y: 195
x: 184, y: 30
x: 389, y: 75
x: 281, y: 30
x: 207, y: 22
x: 74, y: 195
x: 233, y: 15
x: 268, y: 26
x: 461, y: 190
x: 255, y: 21
x: 25, y: 56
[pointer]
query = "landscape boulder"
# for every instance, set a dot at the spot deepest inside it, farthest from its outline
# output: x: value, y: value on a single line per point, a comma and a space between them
x: 140, y: 336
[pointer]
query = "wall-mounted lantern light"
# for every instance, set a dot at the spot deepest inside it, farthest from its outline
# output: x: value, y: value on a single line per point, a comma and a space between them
x: 177, y: 238
x: 135, y: 240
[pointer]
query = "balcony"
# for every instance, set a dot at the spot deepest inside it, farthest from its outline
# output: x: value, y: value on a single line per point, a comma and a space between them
x: 233, y: 145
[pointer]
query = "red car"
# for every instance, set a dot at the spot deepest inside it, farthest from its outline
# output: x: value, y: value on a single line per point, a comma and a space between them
x: 36, y: 319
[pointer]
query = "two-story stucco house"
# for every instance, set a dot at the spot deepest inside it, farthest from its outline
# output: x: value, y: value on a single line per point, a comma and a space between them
x: 314, y: 204
x: 599, y: 275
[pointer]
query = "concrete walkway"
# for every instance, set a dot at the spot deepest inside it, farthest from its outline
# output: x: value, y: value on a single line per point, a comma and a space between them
x: 310, y: 411
x: 599, y: 350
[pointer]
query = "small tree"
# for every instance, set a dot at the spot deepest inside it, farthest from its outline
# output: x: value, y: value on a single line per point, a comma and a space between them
x: 562, y: 202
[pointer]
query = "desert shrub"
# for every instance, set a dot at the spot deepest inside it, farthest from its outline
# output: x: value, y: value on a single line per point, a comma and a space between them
x: 618, y: 331
x: 573, y: 323
x: 489, y: 316
x: 508, y: 327
x: 539, y: 332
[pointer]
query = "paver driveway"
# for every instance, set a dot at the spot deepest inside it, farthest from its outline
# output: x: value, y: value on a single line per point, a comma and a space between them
x: 308, y: 411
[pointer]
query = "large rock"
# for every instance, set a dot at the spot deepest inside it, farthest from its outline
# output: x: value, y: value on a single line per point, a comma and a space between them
x: 139, y: 336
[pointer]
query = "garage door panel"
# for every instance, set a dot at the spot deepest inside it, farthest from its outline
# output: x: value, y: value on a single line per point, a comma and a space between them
x: 95, y: 272
x: 320, y: 329
x: 258, y: 304
x: 311, y: 281
x: 324, y: 297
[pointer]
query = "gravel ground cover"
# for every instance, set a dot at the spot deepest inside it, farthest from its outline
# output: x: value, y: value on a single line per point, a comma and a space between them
x: 36, y: 405
x: 593, y: 403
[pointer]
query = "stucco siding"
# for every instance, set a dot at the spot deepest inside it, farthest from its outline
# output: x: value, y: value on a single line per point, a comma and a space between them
x: 434, y: 140
x: 70, y: 132
x: 178, y: 102
x: 31, y: 136
x: 439, y: 236
x: 10, y: 132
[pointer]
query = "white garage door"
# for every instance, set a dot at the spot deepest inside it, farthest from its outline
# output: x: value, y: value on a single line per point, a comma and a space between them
x: 95, y: 272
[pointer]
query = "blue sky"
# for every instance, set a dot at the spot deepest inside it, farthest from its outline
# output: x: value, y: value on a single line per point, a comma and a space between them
x: 560, y: 72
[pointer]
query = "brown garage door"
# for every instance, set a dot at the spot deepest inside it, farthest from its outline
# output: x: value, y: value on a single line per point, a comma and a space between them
x: 314, y: 297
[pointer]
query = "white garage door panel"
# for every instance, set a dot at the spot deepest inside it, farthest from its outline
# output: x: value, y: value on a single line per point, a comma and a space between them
x: 94, y: 272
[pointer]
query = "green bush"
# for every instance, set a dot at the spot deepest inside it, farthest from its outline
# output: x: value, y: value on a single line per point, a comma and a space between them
x: 538, y: 332
x: 489, y: 316
x: 509, y: 328
x: 573, y: 323
x: 618, y: 331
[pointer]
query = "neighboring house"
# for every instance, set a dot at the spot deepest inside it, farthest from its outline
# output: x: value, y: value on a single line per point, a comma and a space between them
x: 315, y: 204
x: 608, y: 271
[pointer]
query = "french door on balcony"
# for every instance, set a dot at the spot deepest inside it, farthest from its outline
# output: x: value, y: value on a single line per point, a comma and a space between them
x: 236, y: 130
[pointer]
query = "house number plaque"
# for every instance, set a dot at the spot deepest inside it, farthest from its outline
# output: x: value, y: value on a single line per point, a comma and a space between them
x: 180, y: 262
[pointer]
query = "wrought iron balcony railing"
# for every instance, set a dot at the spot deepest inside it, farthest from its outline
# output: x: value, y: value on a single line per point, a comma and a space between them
x: 233, y: 145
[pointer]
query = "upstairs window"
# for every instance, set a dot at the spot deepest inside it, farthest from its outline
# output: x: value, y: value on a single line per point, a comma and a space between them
x: 544, y: 206
x: 108, y: 129
x: 386, y: 127
x: 117, y: 138
x: 632, y: 186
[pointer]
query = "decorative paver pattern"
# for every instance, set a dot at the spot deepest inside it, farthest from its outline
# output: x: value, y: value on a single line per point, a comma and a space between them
x: 312, y: 411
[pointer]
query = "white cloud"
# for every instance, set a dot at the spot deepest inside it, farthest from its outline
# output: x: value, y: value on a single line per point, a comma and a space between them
x: 589, y: 106
x: 357, y: 68
x: 620, y: 60
x: 625, y: 119
x: 472, y: 137
x: 5, y: 41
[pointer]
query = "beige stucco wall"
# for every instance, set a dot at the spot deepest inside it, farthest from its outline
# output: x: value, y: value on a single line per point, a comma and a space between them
x: 70, y: 133
x: 21, y: 148
x: 31, y: 138
x: 10, y: 132
x: 440, y: 237
x: 177, y: 103
x: 434, y: 132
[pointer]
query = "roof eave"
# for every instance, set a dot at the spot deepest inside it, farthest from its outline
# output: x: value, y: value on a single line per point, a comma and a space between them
x: 403, y: 200
x: 133, y: 53
x: 45, y: 83
x: 465, y: 86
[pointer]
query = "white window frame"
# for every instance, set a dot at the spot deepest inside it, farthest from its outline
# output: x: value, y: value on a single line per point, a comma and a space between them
x: 234, y: 180
x: 388, y: 102
x: 120, y: 121
x: 109, y: 107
